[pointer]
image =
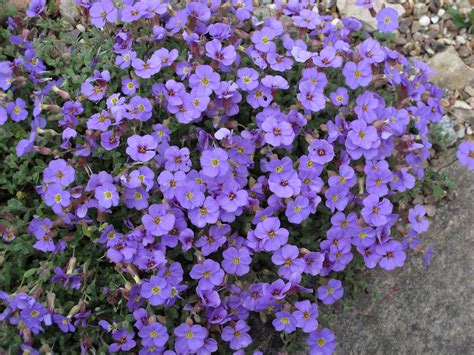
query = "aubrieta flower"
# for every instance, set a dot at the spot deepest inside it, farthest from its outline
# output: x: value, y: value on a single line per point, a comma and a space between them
x: 285, y: 322
x: 156, y: 291
x: 321, y: 151
x: 158, y: 221
x: 236, y: 261
x: 387, y: 19
x: 465, y: 154
x: 123, y: 341
x: 376, y: 212
x: 103, y: 11
x: 190, y: 337
x: 214, y: 162
x: 57, y: 198
x: 357, y: 74
x: 306, y: 316
x: 35, y: 8
x: 391, y: 255
x: 209, y: 274
x: 141, y: 148
x: 332, y: 292
x: 321, y: 342
x: 154, y: 334
x: 58, y: 171
x: 237, y: 335
x: 417, y: 220
x: 17, y: 110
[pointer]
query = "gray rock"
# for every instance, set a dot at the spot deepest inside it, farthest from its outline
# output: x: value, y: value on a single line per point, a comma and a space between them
x: 421, y: 309
x: 445, y: 129
x: 348, y: 8
x: 419, y: 10
x: 451, y: 72
x: 469, y: 90
x: 69, y: 11
x: 424, y: 21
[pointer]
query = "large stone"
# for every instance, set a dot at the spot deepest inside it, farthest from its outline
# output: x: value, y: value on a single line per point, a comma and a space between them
x: 421, y: 309
x: 451, y: 72
x: 348, y: 8
x: 69, y: 11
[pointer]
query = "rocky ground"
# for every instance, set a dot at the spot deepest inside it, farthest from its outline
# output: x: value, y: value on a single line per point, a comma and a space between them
x: 422, y: 309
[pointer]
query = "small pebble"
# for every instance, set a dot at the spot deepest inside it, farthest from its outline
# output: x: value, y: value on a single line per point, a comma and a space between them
x: 435, y: 19
x: 460, y: 39
x: 424, y: 21
x: 441, y: 12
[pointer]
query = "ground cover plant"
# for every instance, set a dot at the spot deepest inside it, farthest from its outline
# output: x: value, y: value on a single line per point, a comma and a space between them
x: 175, y: 171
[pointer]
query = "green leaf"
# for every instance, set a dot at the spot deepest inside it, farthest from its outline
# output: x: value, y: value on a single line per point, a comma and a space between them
x: 29, y: 273
x: 457, y: 18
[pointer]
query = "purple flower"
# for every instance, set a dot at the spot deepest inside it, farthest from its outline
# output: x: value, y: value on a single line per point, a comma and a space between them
x: 356, y: 75
x: 260, y: 97
x: 209, y: 274
x: 225, y: 56
x: 307, y: 19
x: 57, y: 198
x: 391, y: 255
x: 177, y: 159
x: 123, y: 341
x: 237, y: 335
x: 156, y: 291
x: 17, y: 110
x: 248, y: 79
x: 285, y: 322
x: 332, y: 292
x: 288, y: 258
x: 306, y: 316
x: 107, y: 196
x: 232, y: 197
x: 158, y: 221
x: 3, y: 116
x: 387, y: 19
x: 214, y: 162
x: 321, y: 342
x: 263, y: 40
x: 154, y: 334
x: 236, y: 261
x: 146, y: 69
x: 376, y: 212
x: 339, y: 97
x: 190, y: 196
x: 321, y: 151
x: 415, y: 216
x: 141, y: 148
x: 465, y: 154
x: 298, y: 210
x: 310, y: 97
x: 58, y: 171
x: 101, y: 11
x: 277, y: 133
x: 275, y: 82
x: 208, y: 213
x: 328, y: 58
x: 35, y: 8
x: 64, y: 323
x: 190, y: 337
x: 204, y: 79
x: 313, y: 263
x: 366, y: 107
x: 271, y: 237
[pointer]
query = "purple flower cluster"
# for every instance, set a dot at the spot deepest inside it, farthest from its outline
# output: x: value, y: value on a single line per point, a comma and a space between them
x: 268, y: 144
